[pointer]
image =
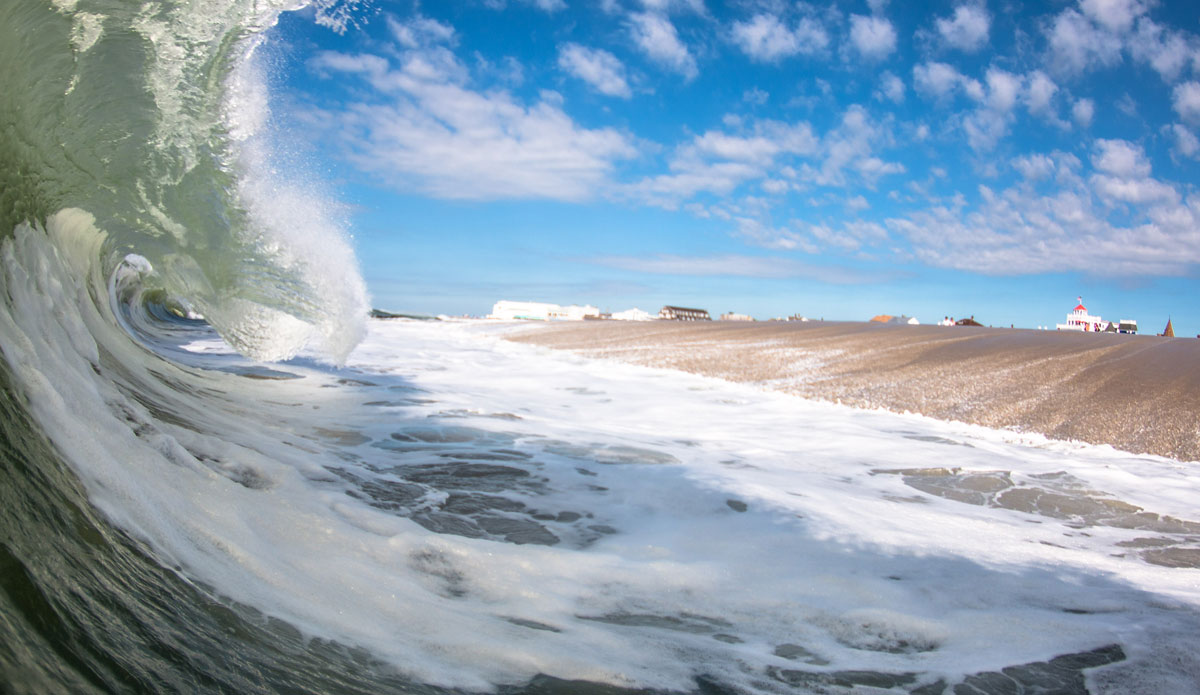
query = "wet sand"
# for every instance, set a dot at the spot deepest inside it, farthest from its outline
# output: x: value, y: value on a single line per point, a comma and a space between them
x: 1138, y: 393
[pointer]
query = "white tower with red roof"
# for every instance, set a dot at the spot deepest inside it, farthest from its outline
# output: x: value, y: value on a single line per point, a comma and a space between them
x: 1080, y: 320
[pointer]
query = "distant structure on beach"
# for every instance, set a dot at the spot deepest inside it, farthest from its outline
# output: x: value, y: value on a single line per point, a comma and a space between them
x: 1169, y: 331
x: 505, y: 310
x: 967, y: 322
x: 1080, y: 320
x: 730, y: 316
x: 679, y: 313
x: 901, y: 320
x: 634, y: 314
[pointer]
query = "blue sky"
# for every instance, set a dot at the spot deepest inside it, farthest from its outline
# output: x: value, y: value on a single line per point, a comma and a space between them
x: 994, y: 159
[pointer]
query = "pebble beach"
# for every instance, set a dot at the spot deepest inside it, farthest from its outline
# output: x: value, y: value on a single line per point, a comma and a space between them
x: 1137, y: 393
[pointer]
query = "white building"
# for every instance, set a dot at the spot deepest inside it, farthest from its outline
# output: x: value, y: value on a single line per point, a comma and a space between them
x: 634, y: 314
x: 574, y: 312
x: 1080, y: 320
x: 736, y: 317
x: 506, y: 310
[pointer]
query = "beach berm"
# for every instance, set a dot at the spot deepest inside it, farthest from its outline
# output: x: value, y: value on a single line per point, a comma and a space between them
x: 1137, y: 393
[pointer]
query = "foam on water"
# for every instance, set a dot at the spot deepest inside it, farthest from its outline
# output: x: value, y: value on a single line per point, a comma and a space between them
x: 476, y: 512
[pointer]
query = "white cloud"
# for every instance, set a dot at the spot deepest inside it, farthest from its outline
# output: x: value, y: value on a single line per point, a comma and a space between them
x: 1121, y: 158
x: 1003, y: 89
x: 967, y: 30
x: 891, y: 88
x: 1083, y: 111
x: 428, y: 132
x: 776, y: 186
x: 936, y: 79
x: 656, y: 36
x: 598, y: 68
x: 850, y: 147
x: 985, y: 128
x: 421, y: 31
x: 1167, y: 51
x: 1021, y: 230
x: 736, y: 265
x: 874, y: 37
x: 1039, y: 96
x: 1123, y: 175
x: 766, y: 38
x: 1186, y: 142
x: 547, y: 5
x: 1114, y: 15
x: 717, y: 162
x: 1128, y: 105
x: 756, y: 96
x: 665, y: 6
x: 1186, y: 101
x: 1034, y: 167
x: 1136, y: 191
x: 1077, y: 45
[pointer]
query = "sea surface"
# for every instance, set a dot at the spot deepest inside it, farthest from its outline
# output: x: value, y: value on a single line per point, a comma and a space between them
x: 218, y: 476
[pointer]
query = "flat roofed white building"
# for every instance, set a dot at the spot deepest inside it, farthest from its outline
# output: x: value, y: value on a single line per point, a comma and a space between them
x: 505, y: 310
x: 634, y: 314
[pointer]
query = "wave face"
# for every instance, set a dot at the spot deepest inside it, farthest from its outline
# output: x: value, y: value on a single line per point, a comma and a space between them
x: 150, y: 122
x: 440, y: 511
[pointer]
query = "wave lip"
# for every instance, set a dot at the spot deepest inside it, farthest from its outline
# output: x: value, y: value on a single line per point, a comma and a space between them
x: 164, y: 135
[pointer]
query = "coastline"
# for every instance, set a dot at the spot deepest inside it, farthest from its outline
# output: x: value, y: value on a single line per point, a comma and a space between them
x: 1140, y: 394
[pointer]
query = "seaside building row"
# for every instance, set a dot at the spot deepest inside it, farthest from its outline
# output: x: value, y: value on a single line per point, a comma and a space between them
x: 1079, y: 319
x: 506, y: 310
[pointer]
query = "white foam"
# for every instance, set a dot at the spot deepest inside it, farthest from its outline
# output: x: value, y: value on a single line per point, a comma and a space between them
x: 855, y: 566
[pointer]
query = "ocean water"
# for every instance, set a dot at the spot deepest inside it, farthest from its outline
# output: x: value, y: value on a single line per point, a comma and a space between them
x: 220, y: 476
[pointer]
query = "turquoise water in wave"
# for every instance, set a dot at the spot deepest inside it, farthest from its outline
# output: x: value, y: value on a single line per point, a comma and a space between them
x: 219, y: 476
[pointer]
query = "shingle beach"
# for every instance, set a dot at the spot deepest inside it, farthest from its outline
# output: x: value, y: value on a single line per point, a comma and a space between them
x: 1137, y: 393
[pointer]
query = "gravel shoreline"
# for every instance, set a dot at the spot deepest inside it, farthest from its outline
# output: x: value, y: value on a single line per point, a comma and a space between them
x: 1138, y: 393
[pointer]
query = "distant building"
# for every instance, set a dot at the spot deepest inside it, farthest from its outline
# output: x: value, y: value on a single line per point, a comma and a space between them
x: 904, y: 320
x: 967, y: 322
x: 736, y: 317
x: 1169, y: 331
x: 1127, y: 326
x: 634, y: 314
x: 1080, y: 320
x: 882, y: 318
x: 537, y: 311
x: 679, y: 313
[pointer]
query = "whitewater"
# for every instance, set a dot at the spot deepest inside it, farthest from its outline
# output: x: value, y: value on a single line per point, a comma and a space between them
x: 221, y: 476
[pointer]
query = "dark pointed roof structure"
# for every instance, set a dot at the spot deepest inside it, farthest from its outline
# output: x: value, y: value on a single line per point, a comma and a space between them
x: 1169, y: 331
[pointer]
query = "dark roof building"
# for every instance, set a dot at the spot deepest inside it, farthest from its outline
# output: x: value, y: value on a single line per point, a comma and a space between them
x: 679, y: 313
